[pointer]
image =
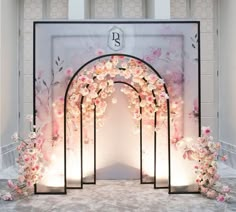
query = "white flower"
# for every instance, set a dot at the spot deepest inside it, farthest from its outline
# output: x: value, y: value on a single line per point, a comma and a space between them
x: 15, y: 137
x: 114, y: 100
x: 161, y: 81
x: 108, y: 65
x: 32, y: 135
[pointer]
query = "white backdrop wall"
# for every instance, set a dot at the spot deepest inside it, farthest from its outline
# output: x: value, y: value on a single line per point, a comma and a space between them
x: 227, y: 95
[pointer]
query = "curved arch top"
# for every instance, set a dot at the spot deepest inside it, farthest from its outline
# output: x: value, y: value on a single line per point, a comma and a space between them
x: 110, y: 55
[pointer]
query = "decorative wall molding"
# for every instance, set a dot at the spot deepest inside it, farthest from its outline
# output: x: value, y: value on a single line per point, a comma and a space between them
x: 8, y: 155
x: 230, y: 151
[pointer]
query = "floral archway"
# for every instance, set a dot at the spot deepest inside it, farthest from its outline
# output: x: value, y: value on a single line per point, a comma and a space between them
x: 86, y: 103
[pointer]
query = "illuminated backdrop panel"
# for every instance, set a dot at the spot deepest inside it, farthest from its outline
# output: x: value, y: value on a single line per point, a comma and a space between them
x: 113, y: 99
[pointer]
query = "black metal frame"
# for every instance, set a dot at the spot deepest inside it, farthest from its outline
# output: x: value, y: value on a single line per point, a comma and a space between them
x: 116, y: 22
x: 81, y: 118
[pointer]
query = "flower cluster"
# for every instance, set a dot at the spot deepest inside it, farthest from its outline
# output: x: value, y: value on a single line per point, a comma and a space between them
x: 205, y: 152
x: 30, y: 164
x: 92, y: 88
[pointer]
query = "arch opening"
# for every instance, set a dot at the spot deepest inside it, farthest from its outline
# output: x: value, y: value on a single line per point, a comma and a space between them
x: 85, y: 96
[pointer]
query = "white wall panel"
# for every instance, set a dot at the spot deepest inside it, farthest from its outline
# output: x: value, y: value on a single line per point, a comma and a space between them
x: 227, y: 104
x: 205, y: 12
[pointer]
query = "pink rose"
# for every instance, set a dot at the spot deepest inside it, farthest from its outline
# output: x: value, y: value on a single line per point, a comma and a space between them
x: 7, y: 197
x: 211, y: 194
x: 83, y: 78
x: 149, y: 99
x: 220, y: 198
x: 206, y: 131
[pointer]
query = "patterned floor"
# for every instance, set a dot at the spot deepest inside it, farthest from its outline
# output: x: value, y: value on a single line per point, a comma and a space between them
x: 119, y: 196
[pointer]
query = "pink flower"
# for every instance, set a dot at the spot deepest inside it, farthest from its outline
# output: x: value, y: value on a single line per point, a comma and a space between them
x: 103, y: 95
x: 61, y: 99
x: 226, y: 189
x: 211, y: 170
x: 218, y: 145
x: 83, y: 78
x: 164, y: 95
x: 99, y: 52
x: 206, y: 131
x: 188, y: 154
x: 220, y: 198
x: 137, y: 72
x: 204, y: 189
x: 21, y: 178
x: 148, y: 58
x: 69, y: 72
x: 152, y: 78
x: 149, y: 99
x: 97, y: 101
x: 10, y: 184
x: 224, y: 158
x: 84, y: 91
x: 216, y: 177
x: 211, y: 194
x: 7, y: 197
x: 157, y: 52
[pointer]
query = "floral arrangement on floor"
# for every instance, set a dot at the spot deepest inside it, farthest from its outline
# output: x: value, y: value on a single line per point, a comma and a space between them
x: 29, y: 164
x: 205, y: 152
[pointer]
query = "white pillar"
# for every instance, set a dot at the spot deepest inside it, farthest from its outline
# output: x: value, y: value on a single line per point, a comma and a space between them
x: 76, y: 9
x: 0, y: 84
x: 162, y: 9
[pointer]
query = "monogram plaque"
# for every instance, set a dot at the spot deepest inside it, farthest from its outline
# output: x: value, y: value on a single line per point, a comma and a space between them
x: 116, y: 39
